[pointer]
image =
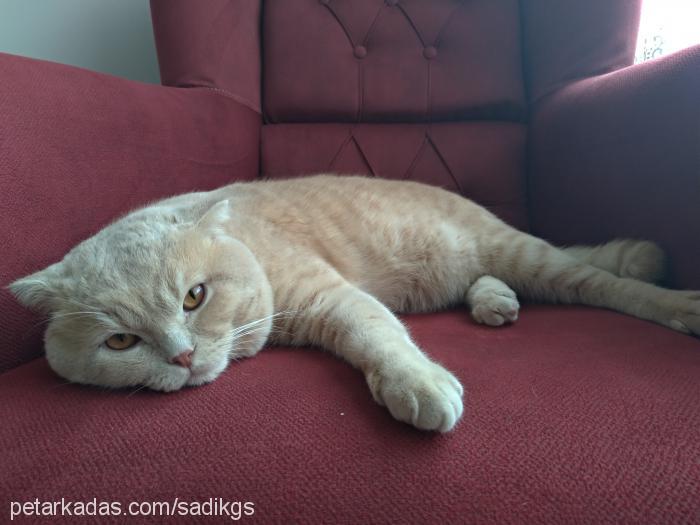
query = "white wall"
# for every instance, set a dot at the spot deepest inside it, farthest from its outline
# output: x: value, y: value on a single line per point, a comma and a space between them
x: 112, y: 36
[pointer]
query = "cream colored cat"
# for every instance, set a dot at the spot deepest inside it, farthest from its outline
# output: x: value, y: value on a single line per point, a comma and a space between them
x: 168, y: 295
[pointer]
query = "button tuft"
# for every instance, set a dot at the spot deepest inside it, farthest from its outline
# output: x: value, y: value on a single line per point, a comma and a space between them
x: 430, y: 52
x: 360, y: 51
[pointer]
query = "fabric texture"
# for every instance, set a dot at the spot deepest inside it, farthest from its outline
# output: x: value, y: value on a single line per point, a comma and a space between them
x: 572, y: 415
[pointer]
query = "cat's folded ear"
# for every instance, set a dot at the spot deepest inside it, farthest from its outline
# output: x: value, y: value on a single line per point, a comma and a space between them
x: 39, y: 291
x: 215, y: 218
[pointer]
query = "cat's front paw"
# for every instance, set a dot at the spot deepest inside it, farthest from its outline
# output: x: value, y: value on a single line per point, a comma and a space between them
x: 421, y: 393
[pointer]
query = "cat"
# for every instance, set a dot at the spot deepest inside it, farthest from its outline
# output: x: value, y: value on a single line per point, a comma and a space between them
x: 166, y: 296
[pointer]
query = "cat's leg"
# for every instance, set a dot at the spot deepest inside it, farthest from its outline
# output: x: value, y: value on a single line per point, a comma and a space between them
x: 492, y: 302
x: 641, y: 260
x: 360, y: 329
x: 539, y: 271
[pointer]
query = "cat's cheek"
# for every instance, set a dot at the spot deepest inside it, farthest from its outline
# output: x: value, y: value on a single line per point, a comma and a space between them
x: 65, y: 359
x: 63, y: 366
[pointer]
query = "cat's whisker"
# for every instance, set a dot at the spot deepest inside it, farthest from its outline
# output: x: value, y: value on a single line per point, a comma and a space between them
x: 136, y: 390
x: 249, y: 328
x: 274, y: 316
x: 236, y: 340
x: 279, y: 331
x: 237, y: 335
x: 69, y: 314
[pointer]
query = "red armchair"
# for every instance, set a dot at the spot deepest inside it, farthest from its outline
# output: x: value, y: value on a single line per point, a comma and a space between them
x: 571, y: 415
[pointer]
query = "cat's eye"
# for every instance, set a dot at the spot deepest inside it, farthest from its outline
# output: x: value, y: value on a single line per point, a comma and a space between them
x: 194, y: 298
x: 122, y: 341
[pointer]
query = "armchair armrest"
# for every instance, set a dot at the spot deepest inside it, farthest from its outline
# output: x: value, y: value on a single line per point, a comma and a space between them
x: 214, y: 44
x: 79, y: 148
x: 618, y: 155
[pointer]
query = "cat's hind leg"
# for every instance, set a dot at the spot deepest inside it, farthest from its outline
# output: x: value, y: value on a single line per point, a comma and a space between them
x: 641, y: 260
x: 492, y: 302
x: 539, y: 271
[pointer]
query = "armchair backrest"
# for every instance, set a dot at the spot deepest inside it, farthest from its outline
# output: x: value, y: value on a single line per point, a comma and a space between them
x: 431, y: 90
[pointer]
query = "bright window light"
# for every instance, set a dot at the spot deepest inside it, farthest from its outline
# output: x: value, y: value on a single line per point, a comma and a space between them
x: 667, y: 26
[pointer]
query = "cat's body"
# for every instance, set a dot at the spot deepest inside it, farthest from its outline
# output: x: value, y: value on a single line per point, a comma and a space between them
x: 320, y: 260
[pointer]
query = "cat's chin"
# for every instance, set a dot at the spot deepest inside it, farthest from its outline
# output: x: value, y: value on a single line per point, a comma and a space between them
x: 206, y: 374
x: 196, y: 378
x: 167, y: 384
x: 202, y: 378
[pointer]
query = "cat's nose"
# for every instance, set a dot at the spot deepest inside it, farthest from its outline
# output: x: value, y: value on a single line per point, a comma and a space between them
x: 183, y: 359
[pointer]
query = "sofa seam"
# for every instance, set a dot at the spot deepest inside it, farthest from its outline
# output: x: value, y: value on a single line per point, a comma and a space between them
x: 223, y: 92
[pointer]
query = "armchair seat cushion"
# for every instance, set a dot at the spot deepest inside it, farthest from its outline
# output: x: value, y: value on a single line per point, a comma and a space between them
x: 572, y: 415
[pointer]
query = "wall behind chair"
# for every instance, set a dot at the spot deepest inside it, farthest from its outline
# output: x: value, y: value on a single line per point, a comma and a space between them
x: 111, y: 36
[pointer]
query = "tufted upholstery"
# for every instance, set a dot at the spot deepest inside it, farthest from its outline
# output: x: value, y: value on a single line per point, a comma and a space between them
x: 400, y: 61
x: 572, y: 415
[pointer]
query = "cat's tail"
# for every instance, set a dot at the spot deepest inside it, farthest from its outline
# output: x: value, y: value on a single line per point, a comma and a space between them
x: 539, y: 271
x: 641, y: 260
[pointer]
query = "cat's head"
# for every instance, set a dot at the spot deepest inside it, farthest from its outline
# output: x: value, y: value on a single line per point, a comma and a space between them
x: 153, y: 300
